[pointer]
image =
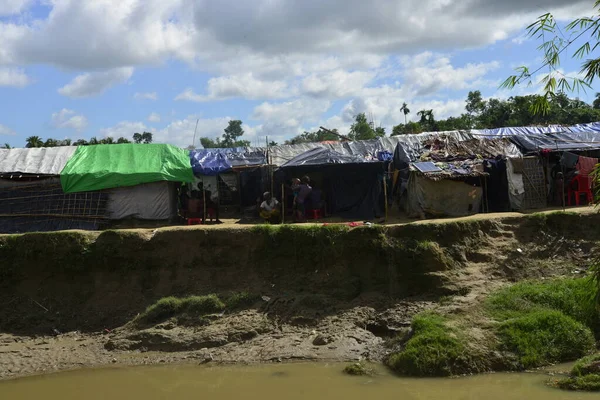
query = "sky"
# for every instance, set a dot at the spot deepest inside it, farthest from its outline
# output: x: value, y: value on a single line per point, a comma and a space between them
x: 82, y: 68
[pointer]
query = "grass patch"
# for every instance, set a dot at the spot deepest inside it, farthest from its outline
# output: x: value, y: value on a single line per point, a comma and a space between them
x: 358, y: 369
x: 241, y: 300
x: 192, y: 306
x: 588, y: 383
x: 573, y: 297
x: 543, y: 337
x: 434, y: 349
x: 587, y: 365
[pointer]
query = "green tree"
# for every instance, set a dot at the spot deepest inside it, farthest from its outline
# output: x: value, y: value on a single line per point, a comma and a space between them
x: 93, y: 141
x: 380, y: 131
x: 406, y: 129
x: 427, y: 120
x: 122, y: 140
x: 361, y: 129
x: 144, y: 138
x: 313, y: 137
x: 34, y: 141
x: 107, y: 140
x: 583, y: 32
x: 272, y: 143
x: 7, y: 146
x: 232, y: 135
x: 404, y: 109
x: 597, y: 101
x: 209, y: 143
x: 80, y: 142
x: 51, y: 143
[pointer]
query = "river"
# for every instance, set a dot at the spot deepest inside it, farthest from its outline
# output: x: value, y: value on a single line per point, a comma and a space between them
x: 270, y: 382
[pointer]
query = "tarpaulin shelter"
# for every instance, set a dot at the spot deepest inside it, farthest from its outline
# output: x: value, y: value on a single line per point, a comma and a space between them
x: 32, y: 199
x: 238, y: 174
x: 352, y: 186
x: 446, y: 174
x: 117, y: 165
x: 211, y: 162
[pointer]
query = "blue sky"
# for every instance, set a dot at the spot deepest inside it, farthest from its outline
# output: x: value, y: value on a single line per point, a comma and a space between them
x: 83, y: 68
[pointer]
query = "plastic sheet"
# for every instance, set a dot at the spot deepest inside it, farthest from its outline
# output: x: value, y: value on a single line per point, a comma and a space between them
x: 212, y: 162
x: 37, y: 161
x: 323, y: 156
x: 116, y: 165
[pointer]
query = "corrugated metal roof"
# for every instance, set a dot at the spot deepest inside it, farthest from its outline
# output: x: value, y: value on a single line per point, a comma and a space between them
x: 37, y: 161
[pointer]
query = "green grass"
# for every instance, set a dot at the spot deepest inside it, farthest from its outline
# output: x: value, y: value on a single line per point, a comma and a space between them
x: 357, y: 369
x: 433, y: 350
x: 587, y: 365
x: 241, y: 300
x: 588, y: 383
x: 573, y: 297
x: 547, y: 336
x: 169, y: 307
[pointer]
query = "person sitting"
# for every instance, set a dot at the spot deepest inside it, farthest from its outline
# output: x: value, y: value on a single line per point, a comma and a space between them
x: 269, y: 208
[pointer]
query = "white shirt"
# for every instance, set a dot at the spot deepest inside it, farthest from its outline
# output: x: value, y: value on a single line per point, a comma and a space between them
x: 270, y: 205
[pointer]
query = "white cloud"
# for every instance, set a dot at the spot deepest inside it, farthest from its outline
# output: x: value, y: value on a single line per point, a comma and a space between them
x: 68, y: 119
x: 154, y: 117
x: 94, y: 83
x: 4, y: 130
x: 125, y: 129
x: 242, y: 85
x: 11, y: 7
x: 336, y: 84
x: 13, y: 77
x: 146, y: 96
x: 430, y: 73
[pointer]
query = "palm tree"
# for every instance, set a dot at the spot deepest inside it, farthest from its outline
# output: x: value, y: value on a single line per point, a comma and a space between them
x: 34, y: 141
x: 404, y: 109
x: 51, y: 143
x: 427, y: 119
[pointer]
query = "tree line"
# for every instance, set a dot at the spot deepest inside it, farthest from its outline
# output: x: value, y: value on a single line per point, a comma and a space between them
x: 479, y: 114
x: 36, y: 141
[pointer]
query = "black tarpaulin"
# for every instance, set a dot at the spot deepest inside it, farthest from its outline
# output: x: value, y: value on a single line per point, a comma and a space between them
x: 323, y: 156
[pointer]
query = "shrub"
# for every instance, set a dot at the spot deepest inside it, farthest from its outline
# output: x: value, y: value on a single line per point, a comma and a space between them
x: 574, y: 297
x: 357, y: 369
x: 590, y: 383
x: 433, y: 350
x: 241, y: 299
x: 542, y: 337
x: 170, y: 306
x: 587, y: 365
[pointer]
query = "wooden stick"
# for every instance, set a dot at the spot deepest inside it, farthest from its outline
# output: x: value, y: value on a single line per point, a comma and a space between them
x: 282, y: 203
x: 385, y: 195
x: 203, y: 202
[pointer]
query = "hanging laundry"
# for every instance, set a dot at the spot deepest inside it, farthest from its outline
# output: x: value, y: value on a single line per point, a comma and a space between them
x: 586, y: 165
x: 569, y: 160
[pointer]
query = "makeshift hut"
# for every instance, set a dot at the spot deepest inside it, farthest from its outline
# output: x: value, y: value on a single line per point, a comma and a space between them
x: 446, y: 176
x: 91, y: 187
x: 350, y: 186
x: 237, y: 175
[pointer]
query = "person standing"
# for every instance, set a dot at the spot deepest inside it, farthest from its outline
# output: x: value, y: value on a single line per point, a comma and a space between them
x: 304, y: 190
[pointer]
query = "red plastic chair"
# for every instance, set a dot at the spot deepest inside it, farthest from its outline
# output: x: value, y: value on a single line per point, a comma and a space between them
x: 584, y: 186
x: 314, y: 214
x: 194, y: 221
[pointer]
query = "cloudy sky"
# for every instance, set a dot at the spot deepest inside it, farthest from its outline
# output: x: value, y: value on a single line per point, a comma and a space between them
x: 83, y: 68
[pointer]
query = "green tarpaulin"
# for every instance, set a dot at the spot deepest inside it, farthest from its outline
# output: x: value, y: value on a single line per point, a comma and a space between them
x: 116, y: 165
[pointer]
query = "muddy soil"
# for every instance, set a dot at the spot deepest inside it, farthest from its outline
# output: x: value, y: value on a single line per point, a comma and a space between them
x: 248, y: 336
x: 323, y: 295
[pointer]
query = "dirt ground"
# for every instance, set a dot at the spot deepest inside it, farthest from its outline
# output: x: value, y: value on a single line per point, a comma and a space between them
x: 246, y: 337
x: 285, y: 329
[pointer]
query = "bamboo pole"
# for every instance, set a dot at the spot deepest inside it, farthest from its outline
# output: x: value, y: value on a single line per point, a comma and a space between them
x: 282, y: 204
x: 385, y: 196
x: 203, y: 202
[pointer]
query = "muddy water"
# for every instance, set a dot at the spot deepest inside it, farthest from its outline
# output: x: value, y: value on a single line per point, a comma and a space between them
x: 297, y: 381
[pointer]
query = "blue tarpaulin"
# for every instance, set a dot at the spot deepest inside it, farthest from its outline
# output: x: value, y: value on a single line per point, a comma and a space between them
x: 212, y: 162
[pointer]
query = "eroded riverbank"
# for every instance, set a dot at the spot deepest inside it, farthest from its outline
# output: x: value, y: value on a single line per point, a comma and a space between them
x: 318, y: 293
